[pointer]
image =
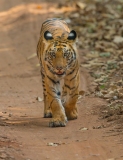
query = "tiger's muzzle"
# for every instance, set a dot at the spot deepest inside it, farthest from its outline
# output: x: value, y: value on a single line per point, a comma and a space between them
x: 59, y: 71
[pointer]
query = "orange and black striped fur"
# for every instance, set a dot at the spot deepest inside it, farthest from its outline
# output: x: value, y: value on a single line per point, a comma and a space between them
x: 58, y: 58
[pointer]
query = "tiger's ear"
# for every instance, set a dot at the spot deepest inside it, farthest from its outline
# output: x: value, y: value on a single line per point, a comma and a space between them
x: 48, y: 35
x: 72, y: 35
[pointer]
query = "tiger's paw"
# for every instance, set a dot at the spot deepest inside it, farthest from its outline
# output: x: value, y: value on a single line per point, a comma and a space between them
x: 48, y: 114
x: 58, y: 122
x: 71, y: 114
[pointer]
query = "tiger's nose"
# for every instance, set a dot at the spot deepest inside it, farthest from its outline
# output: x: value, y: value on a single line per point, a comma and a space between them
x: 59, y: 67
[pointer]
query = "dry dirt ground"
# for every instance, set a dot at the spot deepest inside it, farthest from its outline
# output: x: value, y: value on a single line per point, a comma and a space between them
x: 24, y: 133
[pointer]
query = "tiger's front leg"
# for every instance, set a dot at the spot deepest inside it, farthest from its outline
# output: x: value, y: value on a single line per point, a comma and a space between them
x: 59, y: 118
x: 72, y: 87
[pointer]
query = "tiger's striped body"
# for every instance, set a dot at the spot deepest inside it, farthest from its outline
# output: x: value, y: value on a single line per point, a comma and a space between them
x: 58, y: 58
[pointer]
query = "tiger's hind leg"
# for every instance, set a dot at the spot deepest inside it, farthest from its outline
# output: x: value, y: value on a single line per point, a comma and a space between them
x: 47, y: 109
x: 71, y: 108
x: 72, y: 86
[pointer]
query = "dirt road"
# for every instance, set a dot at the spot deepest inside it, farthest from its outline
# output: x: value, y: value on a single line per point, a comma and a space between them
x: 24, y: 133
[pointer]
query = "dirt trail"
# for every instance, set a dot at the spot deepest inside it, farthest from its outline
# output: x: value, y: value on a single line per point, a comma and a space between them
x: 24, y: 133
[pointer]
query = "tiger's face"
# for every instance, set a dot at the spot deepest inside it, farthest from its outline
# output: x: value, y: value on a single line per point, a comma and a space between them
x: 60, y: 54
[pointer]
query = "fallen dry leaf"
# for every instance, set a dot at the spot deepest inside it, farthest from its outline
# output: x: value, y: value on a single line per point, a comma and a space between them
x: 39, y: 99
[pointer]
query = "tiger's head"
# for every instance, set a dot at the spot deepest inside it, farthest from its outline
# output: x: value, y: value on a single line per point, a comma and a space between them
x: 60, y: 52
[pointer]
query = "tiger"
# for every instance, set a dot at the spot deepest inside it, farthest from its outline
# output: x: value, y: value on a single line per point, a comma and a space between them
x: 58, y: 58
